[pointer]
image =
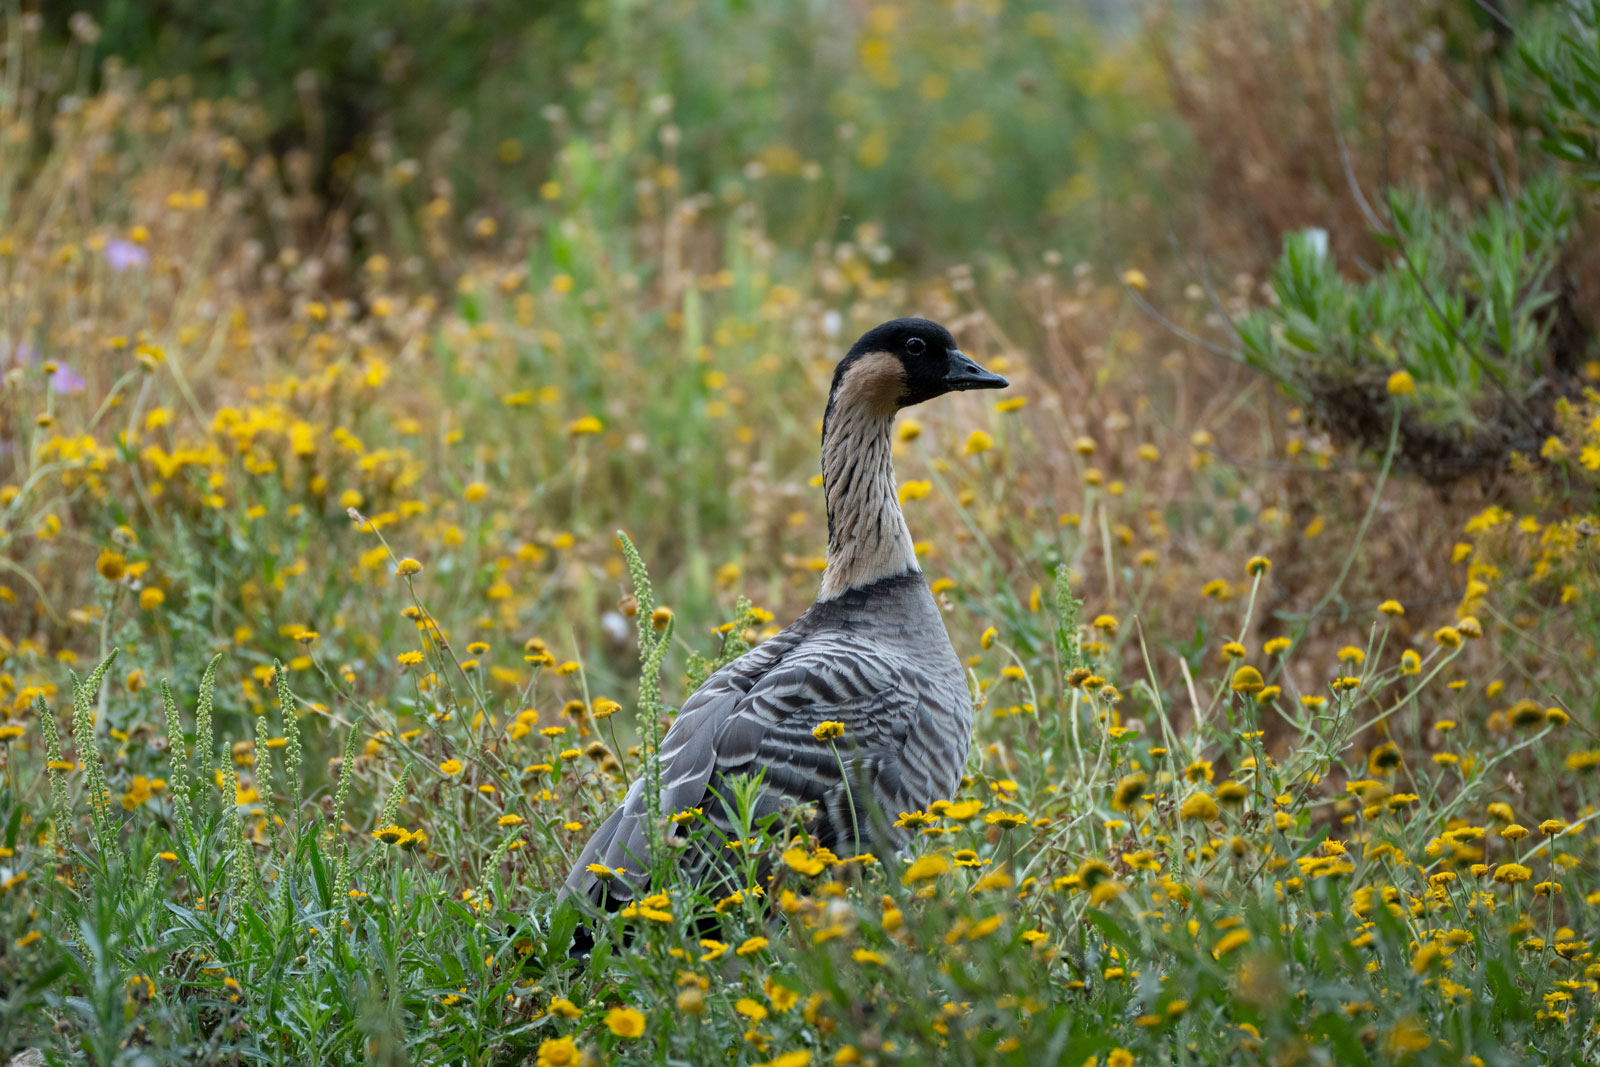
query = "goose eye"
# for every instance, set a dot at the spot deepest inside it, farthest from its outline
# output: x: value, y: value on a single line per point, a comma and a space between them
x: 915, y: 346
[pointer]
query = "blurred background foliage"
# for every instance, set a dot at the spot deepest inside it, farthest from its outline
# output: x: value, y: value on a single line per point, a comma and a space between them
x: 957, y: 125
x: 964, y: 126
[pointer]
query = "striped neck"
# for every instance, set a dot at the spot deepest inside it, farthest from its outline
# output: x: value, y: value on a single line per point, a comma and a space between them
x: 867, y: 535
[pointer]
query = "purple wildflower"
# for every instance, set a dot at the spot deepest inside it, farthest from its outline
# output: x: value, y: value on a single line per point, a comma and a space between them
x: 124, y: 255
x: 67, y: 380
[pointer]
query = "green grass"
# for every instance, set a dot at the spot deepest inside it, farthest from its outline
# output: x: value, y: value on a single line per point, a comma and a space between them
x: 1098, y: 892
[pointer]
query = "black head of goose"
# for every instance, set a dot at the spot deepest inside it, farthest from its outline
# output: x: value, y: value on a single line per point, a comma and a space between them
x: 871, y: 654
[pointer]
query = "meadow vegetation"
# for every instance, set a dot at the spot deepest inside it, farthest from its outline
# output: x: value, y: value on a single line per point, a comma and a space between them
x: 1277, y: 570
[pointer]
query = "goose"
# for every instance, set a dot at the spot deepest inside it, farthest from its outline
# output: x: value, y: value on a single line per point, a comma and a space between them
x: 871, y: 654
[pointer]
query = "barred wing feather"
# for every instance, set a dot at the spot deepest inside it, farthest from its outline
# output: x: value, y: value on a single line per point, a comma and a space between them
x: 758, y: 714
x: 688, y: 759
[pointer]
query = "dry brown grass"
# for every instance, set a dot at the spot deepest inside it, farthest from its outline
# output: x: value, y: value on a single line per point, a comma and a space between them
x: 1270, y: 89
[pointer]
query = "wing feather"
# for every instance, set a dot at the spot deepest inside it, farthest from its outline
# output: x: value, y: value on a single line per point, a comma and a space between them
x: 902, y: 746
x: 688, y: 760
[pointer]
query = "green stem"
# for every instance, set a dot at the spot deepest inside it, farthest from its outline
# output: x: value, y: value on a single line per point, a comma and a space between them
x: 849, y: 797
x: 1361, y: 532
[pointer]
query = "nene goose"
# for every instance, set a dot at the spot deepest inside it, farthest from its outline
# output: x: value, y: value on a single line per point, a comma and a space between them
x: 871, y: 653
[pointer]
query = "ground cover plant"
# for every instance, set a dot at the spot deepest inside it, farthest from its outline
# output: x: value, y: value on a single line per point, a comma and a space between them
x: 356, y: 547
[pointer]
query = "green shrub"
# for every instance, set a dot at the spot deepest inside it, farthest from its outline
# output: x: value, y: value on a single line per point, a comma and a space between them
x: 1563, y: 54
x: 1473, y: 312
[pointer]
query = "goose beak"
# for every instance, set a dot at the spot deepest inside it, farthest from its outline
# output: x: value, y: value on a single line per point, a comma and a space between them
x: 963, y: 372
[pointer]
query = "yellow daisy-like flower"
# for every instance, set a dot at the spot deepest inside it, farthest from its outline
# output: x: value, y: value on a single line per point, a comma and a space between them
x: 451, y: 767
x: 407, y: 567
x: 1525, y: 713
x: 559, y: 1052
x: 800, y: 861
x: 912, y: 820
x: 1198, y: 807
x: 925, y: 867
x: 1247, y: 680
x: 958, y: 811
x: 1005, y: 819
x: 782, y: 997
x: 1512, y: 873
x: 1232, y: 792
x: 797, y: 1058
x: 828, y: 730
x: 1401, y: 384
x: 1129, y: 789
x: 625, y: 1022
x: 1230, y: 941
x: 111, y: 565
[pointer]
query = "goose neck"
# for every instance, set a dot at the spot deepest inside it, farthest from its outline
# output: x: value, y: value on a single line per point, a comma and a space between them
x: 867, y: 535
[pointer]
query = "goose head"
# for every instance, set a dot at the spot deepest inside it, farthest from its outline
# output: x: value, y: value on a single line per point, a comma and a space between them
x: 905, y: 362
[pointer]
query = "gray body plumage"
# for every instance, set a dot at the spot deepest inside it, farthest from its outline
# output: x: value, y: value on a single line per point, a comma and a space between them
x: 876, y: 659
x: 872, y: 654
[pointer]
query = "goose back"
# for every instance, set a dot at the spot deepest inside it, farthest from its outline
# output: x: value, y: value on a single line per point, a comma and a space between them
x: 876, y: 659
